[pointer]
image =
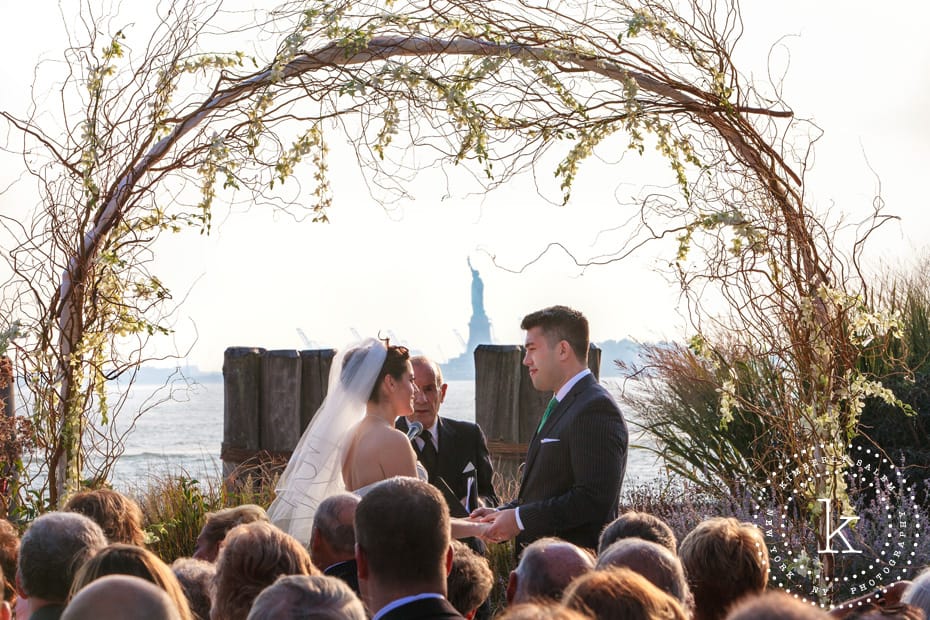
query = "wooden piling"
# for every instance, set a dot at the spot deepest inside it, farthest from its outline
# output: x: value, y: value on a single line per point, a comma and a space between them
x: 242, y: 380
x: 280, y: 428
x: 314, y: 368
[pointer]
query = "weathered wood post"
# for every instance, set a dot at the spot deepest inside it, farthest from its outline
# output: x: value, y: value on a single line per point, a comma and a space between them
x: 508, y: 408
x: 314, y: 367
x: 242, y: 381
x: 8, y: 472
x: 280, y: 427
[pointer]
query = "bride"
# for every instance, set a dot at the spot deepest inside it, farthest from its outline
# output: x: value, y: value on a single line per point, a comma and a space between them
x: 351, y: 443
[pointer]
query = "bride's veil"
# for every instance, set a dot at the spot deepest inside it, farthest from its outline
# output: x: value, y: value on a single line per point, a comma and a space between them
x: 314, y: 471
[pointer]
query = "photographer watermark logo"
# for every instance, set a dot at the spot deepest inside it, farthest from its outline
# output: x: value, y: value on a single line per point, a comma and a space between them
x: 867, y: 550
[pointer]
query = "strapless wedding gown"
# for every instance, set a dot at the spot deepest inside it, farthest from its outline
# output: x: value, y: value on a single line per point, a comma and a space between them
x: 422, y: 474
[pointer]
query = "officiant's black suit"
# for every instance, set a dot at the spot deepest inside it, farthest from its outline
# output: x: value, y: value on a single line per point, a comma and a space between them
x: 574, y: 467
x: 460, y: 443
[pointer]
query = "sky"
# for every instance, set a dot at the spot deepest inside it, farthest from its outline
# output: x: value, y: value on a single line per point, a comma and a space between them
x: 859, y: 72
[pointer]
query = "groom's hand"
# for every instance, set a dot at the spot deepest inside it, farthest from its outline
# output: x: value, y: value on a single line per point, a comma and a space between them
x: 503, y: 525
x: 481, y: 512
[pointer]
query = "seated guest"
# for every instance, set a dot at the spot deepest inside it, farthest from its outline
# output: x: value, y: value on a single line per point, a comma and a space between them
x: 885, y: 596
x: 303, y: 597
x: 403, y: 551
x: 5, y: 612
x: 546, y: 567
x: 253, y: 556
x: 50, y: 552
x: 900, y: 611
x: 121, y: 597
x: 218, y: 525
x: 470, y: 580
x: 332, y: 539
x: 542, y: 611
x: 119, y: 517
x: 775, y: 605
x: 656, y: 563
x: 620, y: 594
x: 639, y: 525
x: 917, y: 593
x: 196, y: 579
x: 724, y: 560
x: 9, y: 555
x: 123, y: 559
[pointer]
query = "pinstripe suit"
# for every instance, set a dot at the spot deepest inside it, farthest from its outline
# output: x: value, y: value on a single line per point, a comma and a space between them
x: 571, y: 480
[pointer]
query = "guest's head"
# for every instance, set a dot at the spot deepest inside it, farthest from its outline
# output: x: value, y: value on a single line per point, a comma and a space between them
x: 775, y: 605
x: 724, y: 560
x: 121, y: 597
x: 656, y: 563
x: 303, y: 597
x: 119, y: 517
x: 123, y: 559
x: 545, y: 569
x: 51, y: 551
x: 332, y: 538
x: 639, y: 525
x: 9, y: 556
x: 219, y: 523
x: 196, y: 579
x: 898, y: 611
x: 253, y: 556
x: 431, y: 391
x: 918, y: 592
x: 621, y: 594
x: 549, y: 610
x: 402, y: 541
x: 470, y: 580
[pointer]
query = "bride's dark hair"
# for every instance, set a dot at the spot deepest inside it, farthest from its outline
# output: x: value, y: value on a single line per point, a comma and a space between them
x: 395, y: 363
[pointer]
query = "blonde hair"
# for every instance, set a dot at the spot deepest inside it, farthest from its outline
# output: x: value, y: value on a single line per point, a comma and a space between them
x: 621, y: 594
x: 123, y: 559
x: 253, y: 556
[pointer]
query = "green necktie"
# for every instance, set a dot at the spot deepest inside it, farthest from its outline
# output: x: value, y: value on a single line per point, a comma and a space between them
x: 549, y: 408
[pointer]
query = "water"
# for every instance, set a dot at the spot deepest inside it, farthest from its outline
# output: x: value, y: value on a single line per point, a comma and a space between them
x: 184, y: 435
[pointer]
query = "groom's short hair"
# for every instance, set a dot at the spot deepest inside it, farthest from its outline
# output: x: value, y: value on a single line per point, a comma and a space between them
x: 561, y: 323
x: 402, y: 527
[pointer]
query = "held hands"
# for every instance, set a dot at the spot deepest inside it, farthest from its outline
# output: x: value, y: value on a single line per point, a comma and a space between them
x: 501, y: 525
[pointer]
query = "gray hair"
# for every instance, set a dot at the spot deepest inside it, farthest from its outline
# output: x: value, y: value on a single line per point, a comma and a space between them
x: 302, y: 597
x: 53, y: 549
x: 651, y: 560
x: 196, y: 579
x: 330, y: 520
x: 422, y: 359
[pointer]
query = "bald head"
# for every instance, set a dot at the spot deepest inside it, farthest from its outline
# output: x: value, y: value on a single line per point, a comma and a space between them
x: 546, y: 567
x: 654, y: 562
x: 121, y: 597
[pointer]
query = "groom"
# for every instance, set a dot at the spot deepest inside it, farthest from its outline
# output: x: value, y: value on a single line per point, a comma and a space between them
x: 574, y: 467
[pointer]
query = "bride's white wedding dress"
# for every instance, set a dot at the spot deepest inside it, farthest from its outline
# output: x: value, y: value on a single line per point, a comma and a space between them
x: 314, y: 471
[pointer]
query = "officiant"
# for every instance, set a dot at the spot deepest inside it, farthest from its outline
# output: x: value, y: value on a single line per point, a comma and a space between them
x: 454, y: 452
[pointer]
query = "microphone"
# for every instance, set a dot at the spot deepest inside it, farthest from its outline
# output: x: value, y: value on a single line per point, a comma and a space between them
x: 413, y: 430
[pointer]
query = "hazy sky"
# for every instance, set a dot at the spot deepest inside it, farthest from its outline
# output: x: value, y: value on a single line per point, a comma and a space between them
x: 858, y: 71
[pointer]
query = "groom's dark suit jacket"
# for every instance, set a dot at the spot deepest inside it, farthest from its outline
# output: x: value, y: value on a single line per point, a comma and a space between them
x: 574, y: 467
x: 460, y: 443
